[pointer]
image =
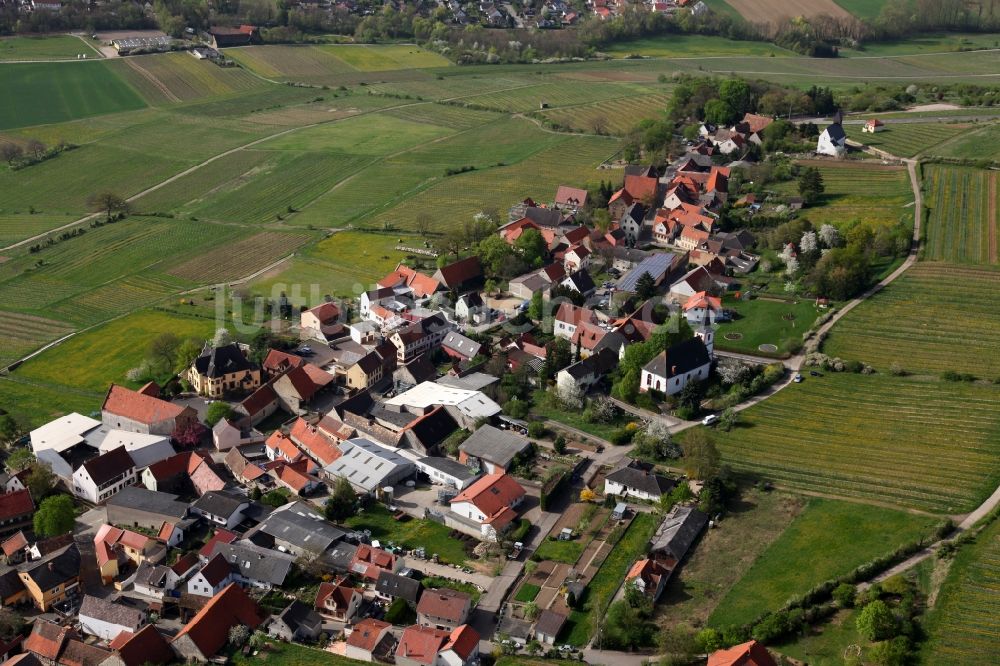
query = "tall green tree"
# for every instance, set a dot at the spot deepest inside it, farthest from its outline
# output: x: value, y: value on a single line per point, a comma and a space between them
x: 342, y: 500
x: 55, y: 516
x: 645, y: 287
x: 531, y: 246
x: 701, y: 457
x: 811, y: 186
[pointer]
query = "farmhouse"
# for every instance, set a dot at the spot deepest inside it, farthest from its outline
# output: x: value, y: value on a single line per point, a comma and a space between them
x: 443, y: 608
x: 489, y: 503
x: 222, y: 370
x: 207, y: 632
x: 637, y: 480
x: 322, y: 322
x: 143, y: 411
x: 99, y: 478
x: 676, y: 534
x: 492, y: 449
x: 371, y: 640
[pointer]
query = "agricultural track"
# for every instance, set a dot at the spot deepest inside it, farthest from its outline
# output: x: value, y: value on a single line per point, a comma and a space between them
x: 144, y: 73
x: 992, y: 219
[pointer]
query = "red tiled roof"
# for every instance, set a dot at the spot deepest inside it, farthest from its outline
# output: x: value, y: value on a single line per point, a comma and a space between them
x: 463, y: 641
x: 318, y: 375
x: 209, y: 629
x: 180, y: 463
x: 491, y: 494
x: 756, y: 123
x: 220, y: 536
x: 571, y: 196
x: 292, y: 477
x: 367, y: 633
x: 301, y: 382
x: 14, y: 543
x: 641, y: 187
x: 190, y: 560
x: 46, y: 639
x: 282, y: 444
x: 259, y: 399
x: 369, y: 562
x: 341, y: 595
x: 573, y: 314
x: 146, y: 646
x: 16, y: 504
x: 460, y: 271
x: 327, y: 313
x: 312, y: 440
x: 278, y: 361
x: 421, y: 644
x: 138, y: 406
x: 701, y: 299
x: 133, y: 540
x: 751, y: 653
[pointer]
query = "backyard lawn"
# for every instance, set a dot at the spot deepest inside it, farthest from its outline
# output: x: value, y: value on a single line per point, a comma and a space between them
x: 544, y: 409
x: 829, y: 539
x: 561, y: 551
x: 763, y: 321
x: 434, y: 537
x: 292, y: 654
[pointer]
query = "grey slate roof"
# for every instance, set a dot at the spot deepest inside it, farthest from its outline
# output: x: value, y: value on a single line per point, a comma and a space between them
x: 300, y: 525
x: 142, y: 499
x: 340, y: 556
x: 449, y: 467
x: 459, y: 343
x: 582, y: 281
x: 102, y: 609
x: 493, y: 445
x: 678, y: 531
x: 641, y: 480
x: 220, y: 503
x: 550, y: 623
x: 474, y: 381
x: 255, y: 563
x: 679, y: 359
x: 836, y: 132
x: 393, y: 585
x: 599, y: 363
x: 217, y: 362
x: 55, y: 569
x: 297, y: 613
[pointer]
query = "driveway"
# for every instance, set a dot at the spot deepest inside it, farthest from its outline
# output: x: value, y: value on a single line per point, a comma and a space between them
x: 84, y: 532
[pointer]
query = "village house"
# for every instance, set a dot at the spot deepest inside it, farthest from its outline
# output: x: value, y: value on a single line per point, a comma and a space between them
x: 144, y: 412
x: 16, y: 511
x: 542, y: 280
x: 228, y: 434
x: 321, y: 322
x: 637, y: 480
x: 426, y: 646
x: 208, y: 631
x: 338, y: 602
x: 296, y: 388
x: 489, y: 503
x: 493, y: 450
x: 391, y: 586
x: 146, y: 646
x: 569, y: 317
x: 212, y: 578
x: 419, y: 337
x: 299, y: 529
x: 462, y: 275
x: 443, y: 608
x: 872, y: 126
x: 649, y: 577
x: 460, y: 347
x: 140, y: 507
x: 548, y: 626
x: 221, y: 508
x: 185, y: 472
x: 99, y: 478
x: 371, y: 640
x: 632, y: 222
x: 751, y: 653
x: 54, y: 578
x: 570, y: 199
x: 219, y: 371
x: 106, y: 619
x: 116, y: 548
x: 253, y: 566
x: 405, y: 280
x: 586, y: 373
x: 297, y: 622
x: 470, y: 308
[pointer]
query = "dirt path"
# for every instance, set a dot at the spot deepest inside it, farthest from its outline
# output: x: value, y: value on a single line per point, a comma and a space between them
x: 144, y: 73
x: 89, y: 45
x: 992, y: 219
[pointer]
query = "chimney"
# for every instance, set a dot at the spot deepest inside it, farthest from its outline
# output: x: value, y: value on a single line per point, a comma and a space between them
x: 673, y: 369
x: 52, y: 566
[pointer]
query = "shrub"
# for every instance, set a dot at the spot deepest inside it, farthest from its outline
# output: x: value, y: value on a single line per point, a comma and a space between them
x: 559, y: 444
x: 876, y: 621
x: 536, y: 429
x: 845, y: 594
x: 622, y: 436
x: 708, y: 640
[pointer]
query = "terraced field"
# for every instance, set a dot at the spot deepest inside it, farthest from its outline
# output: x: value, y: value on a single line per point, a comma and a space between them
x: 239, y: 259
x: 963, y: 624
x: 23, y: 333
x: 864, y: 193
x: 926, y: 445
x: 611, y: 117
x: 18, y: 226
x: 935, y: 318
x: 115, y: 298
x: 178, y: 77
x: 907, y: 140
x: 962, y: 226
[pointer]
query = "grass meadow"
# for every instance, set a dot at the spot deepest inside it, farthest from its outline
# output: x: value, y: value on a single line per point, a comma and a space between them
x: 97, y: 364
x: 935, y: 318
x: 974, y: 143
x: 765, y: 321
x: 962, y: 225
x: 684, y: 46
x: 58, y: 47
x: 962, y: 625
x: 830, y: 538
x: 927, y: 445
x: 40, y: 93
x: 860, y: 192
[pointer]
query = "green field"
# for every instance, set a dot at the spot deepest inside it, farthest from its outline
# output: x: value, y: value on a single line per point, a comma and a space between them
x: 97, y: 361
x: 764, y: 321
x: 920, y: 444
x: 829, y: 539
x: 907, y: 140
x: 975, y: 143
x: 681, y: 46
x: 863, y: 9
x: 178, y: 77
x: 935, y: 318
x: 386, y: 57
x: 928, y: 43
x: 617, y: 116
x: 18, y: 226
x: 865, y: 193
x: 963, y: 625
x: 36, y: 404
x: 39, y: 93
x: 59, y: 47
x: 962, y: 226
x: 279, y: 653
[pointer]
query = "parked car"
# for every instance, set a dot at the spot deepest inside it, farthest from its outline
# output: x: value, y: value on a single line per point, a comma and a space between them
x: 813, y: 373
x: 711, y: 419
x: 797, y: 378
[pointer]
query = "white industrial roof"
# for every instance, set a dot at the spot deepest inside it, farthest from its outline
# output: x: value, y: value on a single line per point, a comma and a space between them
x: 63, y: 433
x: 366, y: 464
x: 473, y: 404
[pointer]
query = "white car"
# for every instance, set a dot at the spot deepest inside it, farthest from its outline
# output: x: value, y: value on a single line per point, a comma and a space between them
x: 710, y: 420
x: 797, y: 378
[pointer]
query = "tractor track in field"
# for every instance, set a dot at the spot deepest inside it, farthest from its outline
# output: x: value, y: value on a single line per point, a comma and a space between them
x: 146, y: 74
